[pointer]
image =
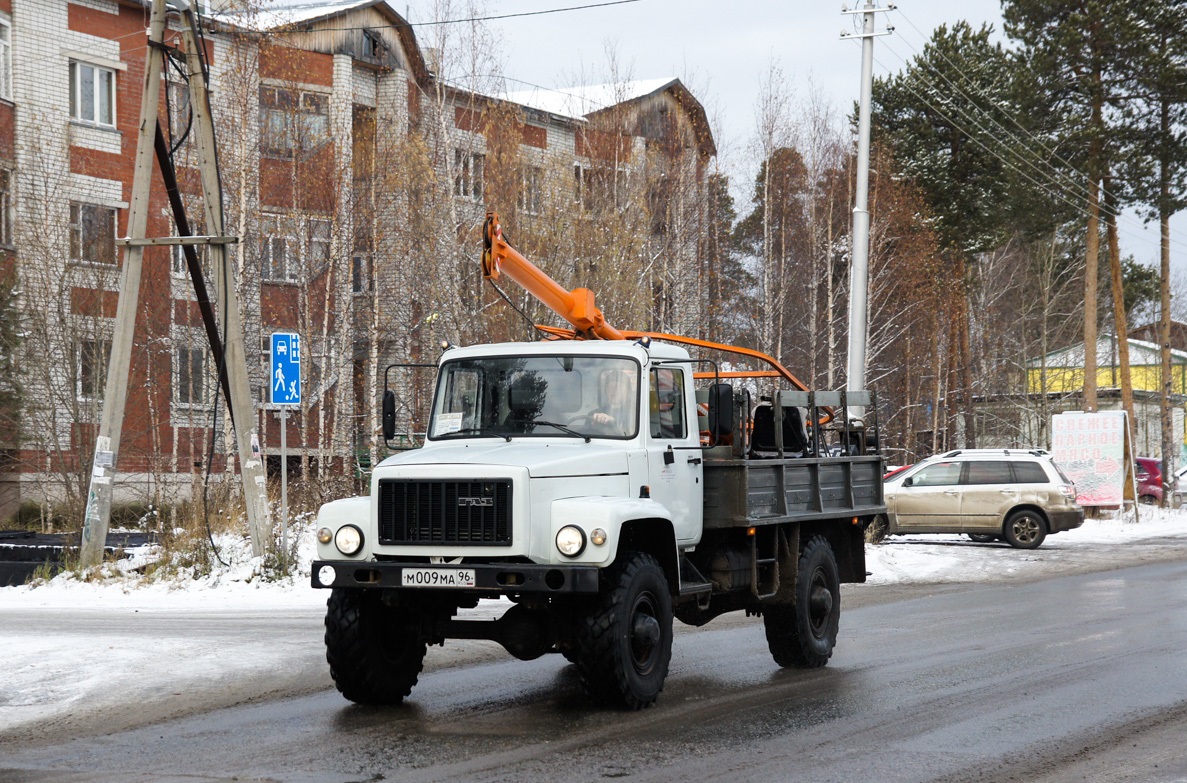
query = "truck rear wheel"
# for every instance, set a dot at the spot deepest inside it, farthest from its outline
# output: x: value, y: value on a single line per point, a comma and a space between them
x: 375, y: 651
x: 804, y: 634
x: 624, y: 644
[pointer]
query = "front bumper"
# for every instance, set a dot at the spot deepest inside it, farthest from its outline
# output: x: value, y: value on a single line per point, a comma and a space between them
x: 1065, y: 520
x: 501, y: 578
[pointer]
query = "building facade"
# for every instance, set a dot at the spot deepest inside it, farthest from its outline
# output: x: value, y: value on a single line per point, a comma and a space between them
x: 356, y: 179
x: 1055, y: 384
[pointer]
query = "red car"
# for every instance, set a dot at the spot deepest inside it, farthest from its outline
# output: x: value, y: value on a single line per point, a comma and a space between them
x: 1149, y: 477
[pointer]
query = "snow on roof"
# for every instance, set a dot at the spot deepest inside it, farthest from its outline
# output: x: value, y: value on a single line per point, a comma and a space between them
x: 280, y: 13
x: 578, y: 102
x: 1141, y: 353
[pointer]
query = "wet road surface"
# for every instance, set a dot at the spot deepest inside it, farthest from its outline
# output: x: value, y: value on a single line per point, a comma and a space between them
x: 1080, y: 677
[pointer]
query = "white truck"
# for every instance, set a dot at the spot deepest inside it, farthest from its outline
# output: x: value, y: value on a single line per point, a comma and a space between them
x: 596, y: 527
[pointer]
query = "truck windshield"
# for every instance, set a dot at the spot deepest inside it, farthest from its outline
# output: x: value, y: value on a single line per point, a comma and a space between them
x: 541, y: 396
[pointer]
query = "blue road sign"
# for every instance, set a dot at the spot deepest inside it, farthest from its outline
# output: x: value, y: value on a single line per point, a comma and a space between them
x: 286, y: 369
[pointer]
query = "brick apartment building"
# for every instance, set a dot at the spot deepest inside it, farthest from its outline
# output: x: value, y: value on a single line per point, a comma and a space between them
x: 320, y: 114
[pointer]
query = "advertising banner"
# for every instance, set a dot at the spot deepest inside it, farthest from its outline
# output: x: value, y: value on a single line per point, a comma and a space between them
x: 1090, y: 449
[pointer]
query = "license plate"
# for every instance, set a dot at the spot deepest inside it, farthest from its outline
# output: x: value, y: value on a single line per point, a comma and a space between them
x: 437, y: 577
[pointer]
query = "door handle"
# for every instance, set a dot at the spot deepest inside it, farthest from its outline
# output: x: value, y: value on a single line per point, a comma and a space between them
x: 949, y: 492
x: 1007, y: 492
x: 694, y: 460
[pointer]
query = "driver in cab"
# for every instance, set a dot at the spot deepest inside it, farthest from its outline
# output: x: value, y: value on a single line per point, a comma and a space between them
x: 616, y: 396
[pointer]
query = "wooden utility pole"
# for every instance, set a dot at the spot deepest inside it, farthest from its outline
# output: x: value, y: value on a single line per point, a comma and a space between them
x: 240, y: 404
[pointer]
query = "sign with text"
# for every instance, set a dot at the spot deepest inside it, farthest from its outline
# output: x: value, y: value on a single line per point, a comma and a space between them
x: 286, y: 369
x: 1090, y: 449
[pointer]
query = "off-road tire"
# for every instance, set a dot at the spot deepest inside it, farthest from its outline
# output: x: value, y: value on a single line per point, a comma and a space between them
x: 623, y: 644
x: 374, y: 651
x: 1025, y: 529
x: 803, y: 635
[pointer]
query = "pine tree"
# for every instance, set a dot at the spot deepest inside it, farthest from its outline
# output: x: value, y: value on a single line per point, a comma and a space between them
x: 938, y: 117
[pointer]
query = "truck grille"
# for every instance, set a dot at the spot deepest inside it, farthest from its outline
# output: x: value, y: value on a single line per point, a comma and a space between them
x: 461, y: 513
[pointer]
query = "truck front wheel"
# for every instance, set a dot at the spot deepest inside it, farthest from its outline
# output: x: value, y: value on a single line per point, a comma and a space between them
x: 804, y: 634
x: 624, y: 644
x: 375, y: 651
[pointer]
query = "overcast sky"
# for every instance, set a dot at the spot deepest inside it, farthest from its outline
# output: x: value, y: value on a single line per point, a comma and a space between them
x: 722, y: 51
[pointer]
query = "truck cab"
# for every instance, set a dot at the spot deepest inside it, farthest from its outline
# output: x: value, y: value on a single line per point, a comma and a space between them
x: 537, y: 453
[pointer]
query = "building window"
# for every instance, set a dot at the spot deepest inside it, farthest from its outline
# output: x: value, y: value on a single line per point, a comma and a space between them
x: 92, y: 234
x: 189, y: 382
x: 177, y: 95
x: 360, y: 274
x: 320, y: 232
x: 292, y: 121
x: 194, y: 217
x: 92, y: 368
x: 467, y: 179
x: 92, y: 94
x: 5, y: 60
x: 276, y: 262
x: 597, y: 187
x: 5, y: 209
x: 373, y: 48
x: 531, y: 189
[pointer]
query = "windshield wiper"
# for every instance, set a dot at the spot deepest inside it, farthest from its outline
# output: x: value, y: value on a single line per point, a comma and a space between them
x: 563, y: 428
x: 476, y: 431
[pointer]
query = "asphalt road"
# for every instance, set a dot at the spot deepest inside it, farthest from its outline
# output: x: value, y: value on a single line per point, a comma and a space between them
x: 1080, y: 677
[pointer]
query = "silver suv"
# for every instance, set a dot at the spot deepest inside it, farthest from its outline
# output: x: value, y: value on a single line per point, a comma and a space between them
x: 1019, y: 496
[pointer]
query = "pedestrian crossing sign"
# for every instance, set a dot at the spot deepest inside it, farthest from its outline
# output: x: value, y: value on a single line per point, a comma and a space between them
x: 285, y: 384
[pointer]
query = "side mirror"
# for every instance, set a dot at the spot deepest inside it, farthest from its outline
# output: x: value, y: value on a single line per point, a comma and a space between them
x: 908, y: 481
x: 389, y: 414
x: 721, y: 411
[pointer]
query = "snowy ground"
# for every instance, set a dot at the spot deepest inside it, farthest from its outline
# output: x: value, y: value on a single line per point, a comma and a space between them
x: 74, y: 646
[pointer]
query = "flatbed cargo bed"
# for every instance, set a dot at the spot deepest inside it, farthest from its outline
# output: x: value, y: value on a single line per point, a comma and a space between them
x: 747, y: 492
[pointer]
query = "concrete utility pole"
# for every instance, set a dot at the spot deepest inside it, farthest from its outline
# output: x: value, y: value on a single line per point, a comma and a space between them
x: 860, y: 265
x: 115, y: 392
x: 98, y: 514
x: 243, y: 412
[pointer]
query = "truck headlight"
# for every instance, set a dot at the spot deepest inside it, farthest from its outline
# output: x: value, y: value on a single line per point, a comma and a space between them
x: 570, y: 541
x: 348, y: 539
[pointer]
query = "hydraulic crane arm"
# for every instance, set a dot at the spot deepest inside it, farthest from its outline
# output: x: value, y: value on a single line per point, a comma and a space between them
x: 576, y: 306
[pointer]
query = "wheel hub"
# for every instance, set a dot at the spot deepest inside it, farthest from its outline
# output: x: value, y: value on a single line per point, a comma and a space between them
x: 645, y: 636
x: 822, y: 602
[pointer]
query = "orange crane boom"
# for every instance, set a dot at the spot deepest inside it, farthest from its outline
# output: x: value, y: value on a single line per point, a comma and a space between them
x: 578, y: 308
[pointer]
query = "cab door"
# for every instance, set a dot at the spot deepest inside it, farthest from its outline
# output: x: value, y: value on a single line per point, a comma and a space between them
x: 674, y: 458
x: 928, y: 501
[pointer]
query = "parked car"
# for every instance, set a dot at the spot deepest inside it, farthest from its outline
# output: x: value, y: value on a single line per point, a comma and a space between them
x: 1179, y: 492
x: 1149, y: 479
x: 1015, y: 495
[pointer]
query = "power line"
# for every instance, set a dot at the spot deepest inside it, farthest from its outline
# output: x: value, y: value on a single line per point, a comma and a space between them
x: 433, y: 23
x: 1055, y: 194
x: 1081, y: 188
x: 1075, y: 201
x: 973, y: 87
